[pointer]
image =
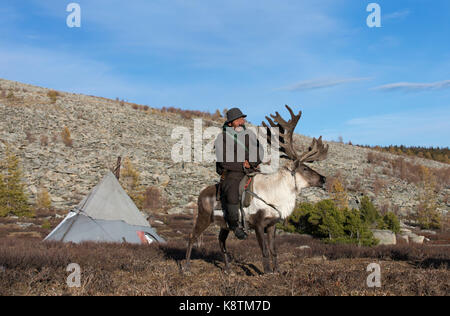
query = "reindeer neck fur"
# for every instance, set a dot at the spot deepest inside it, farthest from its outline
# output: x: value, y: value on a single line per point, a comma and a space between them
x: 280, y: 189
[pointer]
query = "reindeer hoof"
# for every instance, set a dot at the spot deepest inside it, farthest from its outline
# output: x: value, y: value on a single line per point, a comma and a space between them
x: 228, y: 272
x: 186, y: 269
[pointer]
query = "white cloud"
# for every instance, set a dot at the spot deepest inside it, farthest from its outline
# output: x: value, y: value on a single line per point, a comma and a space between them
x: 415, y: 87
x: 396, y: 15
x: 320, y: 84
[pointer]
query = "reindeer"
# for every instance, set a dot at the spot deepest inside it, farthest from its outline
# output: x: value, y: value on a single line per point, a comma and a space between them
x: 277, y: 193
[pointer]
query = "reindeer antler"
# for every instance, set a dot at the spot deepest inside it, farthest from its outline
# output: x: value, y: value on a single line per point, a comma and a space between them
x: 286, y: 131
x: 316, y: 151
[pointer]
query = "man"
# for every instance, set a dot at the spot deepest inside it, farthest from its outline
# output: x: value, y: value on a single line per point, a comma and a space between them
x: 238, y: 153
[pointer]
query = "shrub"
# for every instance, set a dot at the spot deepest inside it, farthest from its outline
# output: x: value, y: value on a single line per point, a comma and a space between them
x: 43, y: 199
x: 66, y: 137
x: 10, y: 96
x: 378, y: 186
x: 46, y: 225
x: 53, y: 95
x: 44, y: 140
x: 330, y: 223
x: 129, y: 179
x: 153, y: 198
x: 338, y: 192
x: 29, y: 137
x: 427, y: 215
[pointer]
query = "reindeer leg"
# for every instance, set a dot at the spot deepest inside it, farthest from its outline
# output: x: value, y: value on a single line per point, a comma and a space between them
x: 200, y: 225
x: 271, y: 230
x: 223, y: 235
x: 259, y: 229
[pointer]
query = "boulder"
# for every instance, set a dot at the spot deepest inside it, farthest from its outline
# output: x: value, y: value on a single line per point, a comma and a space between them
x: 416, y: 239
x: 428, y: 232
x: 403, y: 239
x: 304, y: 247
x: 386, y: 237
x: 176, y: 211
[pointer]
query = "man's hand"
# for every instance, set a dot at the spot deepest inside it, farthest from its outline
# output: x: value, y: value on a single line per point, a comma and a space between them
x: 246, y: 164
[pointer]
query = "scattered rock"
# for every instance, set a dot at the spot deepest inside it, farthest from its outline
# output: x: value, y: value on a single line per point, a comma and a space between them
x: 303, y: 247
x: 110, y: 129
x: 386, y: 237
x: 25, y: 225
x: 57, y: 199
x: 318, y: 258
x: 158, y: 222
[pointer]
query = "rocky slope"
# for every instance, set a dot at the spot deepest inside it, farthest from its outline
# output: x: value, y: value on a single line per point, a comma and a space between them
x: 103, y: 129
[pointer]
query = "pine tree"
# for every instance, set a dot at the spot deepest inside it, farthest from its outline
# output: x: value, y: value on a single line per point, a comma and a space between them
x: 369, y: 213
x: 13, y: 198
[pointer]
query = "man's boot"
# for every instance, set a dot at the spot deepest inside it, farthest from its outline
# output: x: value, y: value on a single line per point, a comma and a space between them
x: 232, y: 218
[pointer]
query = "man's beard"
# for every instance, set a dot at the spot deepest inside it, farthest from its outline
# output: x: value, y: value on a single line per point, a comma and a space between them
x: 239, y: 128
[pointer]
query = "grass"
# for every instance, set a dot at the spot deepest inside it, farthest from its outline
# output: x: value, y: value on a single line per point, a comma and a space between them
x: 32, y: 267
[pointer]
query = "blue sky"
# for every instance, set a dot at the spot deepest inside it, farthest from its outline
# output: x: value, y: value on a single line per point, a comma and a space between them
x: 378, y: 86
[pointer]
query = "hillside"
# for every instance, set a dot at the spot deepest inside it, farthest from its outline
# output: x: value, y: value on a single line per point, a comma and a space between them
x: 103, y: 129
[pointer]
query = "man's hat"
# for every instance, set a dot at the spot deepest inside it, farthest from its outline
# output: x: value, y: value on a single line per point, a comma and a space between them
x: 234, y: 114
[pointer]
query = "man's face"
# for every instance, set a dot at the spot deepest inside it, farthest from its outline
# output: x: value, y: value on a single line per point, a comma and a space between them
x: 238, y: 122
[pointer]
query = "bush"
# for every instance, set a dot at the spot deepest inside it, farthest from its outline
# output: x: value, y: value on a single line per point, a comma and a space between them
x: 53, y: 95
x: 46, y: 225
x: 427, y: 215
x: 44, y: 140
x: 129, y: 179
x: 43, y: 200
x: 153, y: 199
x: 332, y: 224
x: 66, y: 137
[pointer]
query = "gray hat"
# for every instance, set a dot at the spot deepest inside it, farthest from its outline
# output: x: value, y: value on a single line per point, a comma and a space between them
x: 234, y: 114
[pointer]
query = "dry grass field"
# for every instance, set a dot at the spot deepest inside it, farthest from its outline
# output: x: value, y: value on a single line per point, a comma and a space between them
x: 29, y: 266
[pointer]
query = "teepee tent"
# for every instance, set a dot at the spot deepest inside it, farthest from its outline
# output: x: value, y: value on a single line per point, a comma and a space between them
x: 106, y: 214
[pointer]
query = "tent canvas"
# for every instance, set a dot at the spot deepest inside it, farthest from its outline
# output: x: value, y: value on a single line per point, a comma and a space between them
x: 106, y: 214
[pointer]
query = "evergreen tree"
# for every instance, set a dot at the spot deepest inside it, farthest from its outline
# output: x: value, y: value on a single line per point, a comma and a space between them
x: 13, y: 198
x: 369, y: 213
